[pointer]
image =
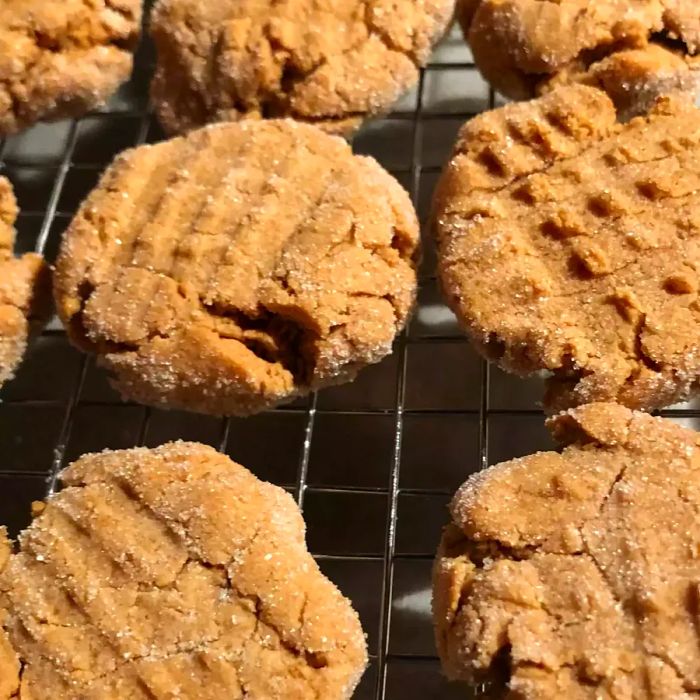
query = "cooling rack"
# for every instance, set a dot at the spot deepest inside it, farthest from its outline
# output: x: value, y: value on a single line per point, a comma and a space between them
x: 374, y: 463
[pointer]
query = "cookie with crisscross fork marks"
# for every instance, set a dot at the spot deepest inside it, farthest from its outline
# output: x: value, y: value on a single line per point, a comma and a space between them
x: 172, y: 573
x: 322, y: 61
x: 239, y: 267
x: 59, y: 58
x: 570, y: 243
x: 24, y: 289
x: 576, y: 575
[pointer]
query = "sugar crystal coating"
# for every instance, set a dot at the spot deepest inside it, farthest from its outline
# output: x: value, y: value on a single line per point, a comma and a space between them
x: 636, y: 51
x: 326, y: 62
x: 575, y: 574
x: 60, y: 58
x: 171, y: 573
x: 238, y: 267
x: 568, y: 243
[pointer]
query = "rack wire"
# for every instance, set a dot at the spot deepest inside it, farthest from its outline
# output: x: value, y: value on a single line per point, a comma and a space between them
x: 373, y: 464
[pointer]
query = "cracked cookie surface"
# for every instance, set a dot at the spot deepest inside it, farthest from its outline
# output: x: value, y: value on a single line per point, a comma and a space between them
x: 636, y: 51
x: 569, y: 243
x: 238, y: 267
x: 24, y: 289
x: 330, y: 63
x: 172, y: 572
x: 575, y: 574
x: 60, y: 58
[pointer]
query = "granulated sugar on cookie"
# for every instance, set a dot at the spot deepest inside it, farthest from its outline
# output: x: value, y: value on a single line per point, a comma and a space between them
x: 326, y: 62
x: 569, y: 243
x: 636, y: 51
x: 239, y: 267
x: 575, y: 575
x: 60, y: 58
x: 24, y: 289
x: 171, y: 573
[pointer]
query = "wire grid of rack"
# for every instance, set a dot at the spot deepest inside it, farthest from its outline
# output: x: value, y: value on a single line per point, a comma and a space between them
x: 373, y: 464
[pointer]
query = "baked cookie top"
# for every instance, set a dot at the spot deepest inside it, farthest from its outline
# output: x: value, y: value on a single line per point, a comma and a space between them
x: 24, y: 288
x: 173, y: 572
x: 239, y: 267
x: 327, y: 62
x: 577, y: 573
x: 569, y: 243
x: 635, y: 50
x: 59, y: 58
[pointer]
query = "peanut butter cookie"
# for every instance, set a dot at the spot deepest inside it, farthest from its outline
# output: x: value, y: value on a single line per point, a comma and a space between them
x: 238, y: 267
x: 173, y: 573
x: 326, y: 62
x: 569, y: 243
x: 9, y: 663
x: 59, y: 58
x: 635, y: 51
x: 24, y: 289
x: 575, y: 575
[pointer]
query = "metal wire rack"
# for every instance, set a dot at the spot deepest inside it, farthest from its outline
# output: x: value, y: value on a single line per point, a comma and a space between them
x: 373, y: 464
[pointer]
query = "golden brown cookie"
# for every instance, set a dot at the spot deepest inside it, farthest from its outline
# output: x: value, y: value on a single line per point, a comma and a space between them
x: 327, y: 62
x: 24, y: 289
x: 569, y: 243
x: 239, y: 267
x: 60, y: 58
x: 635, y: 51
x: 9, y: 662
x: 576, y: 575
x: 174, y: 573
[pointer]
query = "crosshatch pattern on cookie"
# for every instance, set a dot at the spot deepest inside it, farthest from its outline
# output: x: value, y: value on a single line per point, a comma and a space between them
x: 569, y: 243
